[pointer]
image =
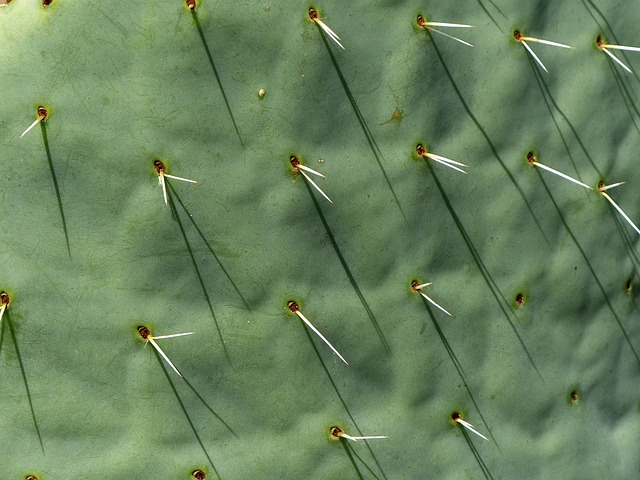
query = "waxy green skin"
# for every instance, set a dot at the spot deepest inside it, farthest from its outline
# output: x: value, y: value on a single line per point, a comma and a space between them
x: 127, y: 83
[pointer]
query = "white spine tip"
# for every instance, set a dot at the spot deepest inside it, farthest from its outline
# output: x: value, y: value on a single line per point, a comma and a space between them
x: 322, y: 337
x: 469, y: 427
x: 314, y: 184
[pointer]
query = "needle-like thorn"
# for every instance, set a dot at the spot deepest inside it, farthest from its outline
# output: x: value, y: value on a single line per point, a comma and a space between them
x: 313, y: 15
x: 469, y: 427
x: 294, y: 308
x: 418, y: 289
x: 146, y: 335
x: 297, y: 166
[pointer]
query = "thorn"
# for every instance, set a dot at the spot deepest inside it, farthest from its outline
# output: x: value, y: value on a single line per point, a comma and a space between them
x: 522, y: 39
x: 145, y: 333
x: 617, y: 60
x: 447, y: 162
x: 604, y: 46
x: 546, y: 42
x: 532, y: 160
x: 42, y: 116
x: 179, y: 178
x: 429, y: 25
x: 157, y: 347
x: 339, y: 433
x: 535, y: 57
x: 454, y: 25
x: 622, y: 47
x: 161, y: 170
x: 164, y: 187
x: 418, y: 289
x: 609, y: 187
x: 174, y: 335
x: 367, y: 437
x: 294, y: 308
x: 313, y: 15
x: 310, y: 170
x: 468, y: 426
x: 300, y: 168
x: 601, y: 189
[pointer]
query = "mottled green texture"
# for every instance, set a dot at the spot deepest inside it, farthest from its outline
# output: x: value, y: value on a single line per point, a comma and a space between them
x: 130, y: 82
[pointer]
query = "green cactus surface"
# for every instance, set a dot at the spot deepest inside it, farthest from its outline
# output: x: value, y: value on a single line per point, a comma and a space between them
x: 541, y: 350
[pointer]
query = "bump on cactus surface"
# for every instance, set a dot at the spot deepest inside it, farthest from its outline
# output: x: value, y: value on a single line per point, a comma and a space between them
x: 541, y: 352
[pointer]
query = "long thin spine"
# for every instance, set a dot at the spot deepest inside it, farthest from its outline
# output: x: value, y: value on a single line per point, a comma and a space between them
x: 173, y: 335
x: 546, y: 42
x: 159, y: 350
x: 315, y: 185
x: 620, y: 211
x: 470, y: 427
x: 428, y: 299
x: 180, y: 178
x: 317, y: 332
x: 560, y: 174
x: 616, y: 59
x: 535, y: 57
x: 451, y: 37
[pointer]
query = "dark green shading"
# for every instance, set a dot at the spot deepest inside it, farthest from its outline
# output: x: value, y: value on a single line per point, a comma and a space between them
x: 377, y: 153
x: 544, y: 90
x: 43, y: 128
x: 624, y: 92
x: 476, y: 454
x: 484, y: 134
x: 351, y: 454
x: 590, y: 267
x: 204, y: 239
x: 174, y: 211
x: 347, y: 445
x: 344, y: 404
x: 194, y: 14
x: 486, y: 11
x: 623, y: 228
x: 186, y: 414
x: 343, y: 262
x: 458, y: 366
x: 551, y: 102
x: 7, y: 317
x: 495, y: 290
x: 220, y: 419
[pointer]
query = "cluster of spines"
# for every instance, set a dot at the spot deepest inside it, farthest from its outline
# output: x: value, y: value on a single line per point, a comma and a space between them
x: 299, y: 168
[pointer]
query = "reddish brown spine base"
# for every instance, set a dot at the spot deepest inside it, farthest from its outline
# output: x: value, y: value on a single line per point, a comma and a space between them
x: 4, y: 299
x: 144, y: 332
x: 159, y: 166
x: 199, y: 475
